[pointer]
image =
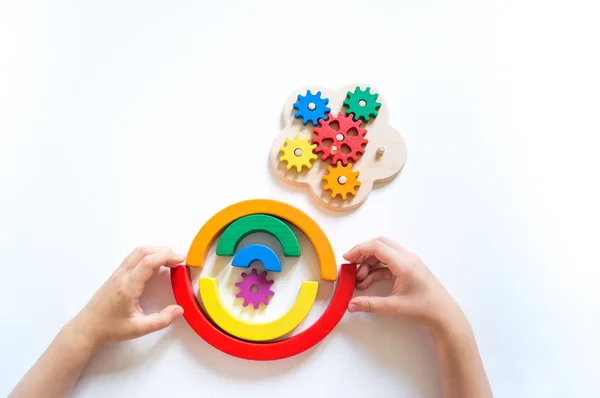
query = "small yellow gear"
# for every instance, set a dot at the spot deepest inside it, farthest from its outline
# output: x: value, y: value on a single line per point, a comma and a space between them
x: 341, y: 180
x: 298, y: 153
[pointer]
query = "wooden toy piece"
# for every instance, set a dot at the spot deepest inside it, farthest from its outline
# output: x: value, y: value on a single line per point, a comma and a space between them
x: 374, y: 166
x: 222, y: 317
x: 339, y: 131
x: 185, y: 297
x: 244, y: 226
x: 204, y: 238
x: 311, y: 107
x: 362, y: 105
x: 341, y: 180
x: 255, y: 289
x: 298, y: 153
x: 256, y: 252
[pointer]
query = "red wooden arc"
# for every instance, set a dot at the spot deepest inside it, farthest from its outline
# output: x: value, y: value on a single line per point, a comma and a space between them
x: 197, y: 319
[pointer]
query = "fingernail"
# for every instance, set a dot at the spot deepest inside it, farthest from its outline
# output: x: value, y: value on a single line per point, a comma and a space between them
x: 352, y: 307
x: 178, y: 311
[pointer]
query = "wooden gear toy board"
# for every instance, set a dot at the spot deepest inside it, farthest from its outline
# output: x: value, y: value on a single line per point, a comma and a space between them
x: 216, y: 324
x: 337, y: 143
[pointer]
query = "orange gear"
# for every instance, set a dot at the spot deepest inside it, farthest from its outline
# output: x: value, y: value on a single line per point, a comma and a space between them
x: 341, y: 180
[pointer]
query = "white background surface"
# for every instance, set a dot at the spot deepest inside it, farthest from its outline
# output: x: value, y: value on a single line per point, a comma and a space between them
x: 118, y: 119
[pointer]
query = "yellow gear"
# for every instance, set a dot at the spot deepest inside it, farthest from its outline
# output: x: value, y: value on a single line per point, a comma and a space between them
x: 297, y: 153
x: 341, y: 180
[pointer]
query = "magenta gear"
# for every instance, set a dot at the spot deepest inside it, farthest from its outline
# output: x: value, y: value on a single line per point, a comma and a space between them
x: 261, y: 286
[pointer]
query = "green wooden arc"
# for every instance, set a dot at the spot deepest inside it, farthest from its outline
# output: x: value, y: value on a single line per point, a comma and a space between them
x: 244, y: 226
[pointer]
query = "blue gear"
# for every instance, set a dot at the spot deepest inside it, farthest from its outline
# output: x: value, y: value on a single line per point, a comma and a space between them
x: 312, y: 115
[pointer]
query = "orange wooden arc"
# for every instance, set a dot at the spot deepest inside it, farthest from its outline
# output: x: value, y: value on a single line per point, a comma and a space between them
x: 212, y: 229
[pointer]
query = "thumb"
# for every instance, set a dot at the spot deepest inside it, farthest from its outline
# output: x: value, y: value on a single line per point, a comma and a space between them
x: 160, y: 320
x: 377, y: 305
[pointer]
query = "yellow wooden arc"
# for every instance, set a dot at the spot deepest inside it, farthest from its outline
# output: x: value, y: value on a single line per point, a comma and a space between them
x: 209, y: 293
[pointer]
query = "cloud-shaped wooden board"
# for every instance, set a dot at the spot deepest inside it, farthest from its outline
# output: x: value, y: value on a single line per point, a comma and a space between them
x: 329, y: 135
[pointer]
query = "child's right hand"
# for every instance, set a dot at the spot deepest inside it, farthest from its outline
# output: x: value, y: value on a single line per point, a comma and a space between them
x: 417, y: 295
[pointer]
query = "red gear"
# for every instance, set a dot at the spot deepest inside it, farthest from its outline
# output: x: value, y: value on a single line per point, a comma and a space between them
x: 355, y: 143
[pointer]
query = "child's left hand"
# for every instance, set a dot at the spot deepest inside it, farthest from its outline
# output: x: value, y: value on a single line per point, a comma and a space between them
x: 114, y: 313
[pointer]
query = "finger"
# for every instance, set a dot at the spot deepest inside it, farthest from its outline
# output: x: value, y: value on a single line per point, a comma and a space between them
x: 138, y: 254
x: 376, y: 248
x: 363, y: 271
x: 371, y: 261
x: 377, y: 305
x: 392, y: 244
x: 378, y: 274
x: 148, y: 265
x: 365, y: 267
x: 160, y: 320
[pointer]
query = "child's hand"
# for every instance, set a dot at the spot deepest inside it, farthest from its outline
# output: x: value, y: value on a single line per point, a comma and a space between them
x: 417, y: 295
x: 114, y: 313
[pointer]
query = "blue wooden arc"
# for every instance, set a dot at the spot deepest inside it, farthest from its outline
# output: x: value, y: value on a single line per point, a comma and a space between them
x: 256, y: 252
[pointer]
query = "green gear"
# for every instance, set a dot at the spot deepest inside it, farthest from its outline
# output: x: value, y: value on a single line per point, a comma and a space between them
x: 362, y: 104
